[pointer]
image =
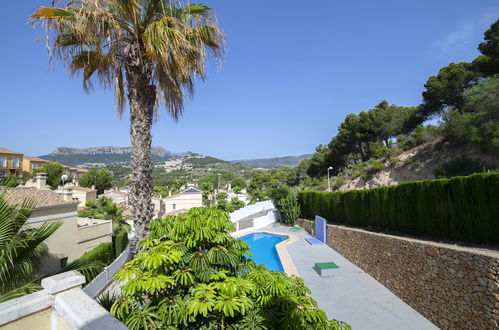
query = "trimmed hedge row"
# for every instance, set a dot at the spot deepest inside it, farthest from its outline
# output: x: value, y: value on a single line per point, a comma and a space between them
x: 102, y: 252
x: 461, y: 208
x: 120, y: 240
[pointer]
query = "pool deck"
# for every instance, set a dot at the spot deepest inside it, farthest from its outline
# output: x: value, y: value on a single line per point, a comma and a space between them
x: 352, y: 295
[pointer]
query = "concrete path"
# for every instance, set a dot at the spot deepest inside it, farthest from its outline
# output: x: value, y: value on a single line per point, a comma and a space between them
x: 352, y: 295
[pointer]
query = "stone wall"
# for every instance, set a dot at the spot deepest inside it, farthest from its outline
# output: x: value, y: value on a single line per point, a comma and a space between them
x: 454, y: 287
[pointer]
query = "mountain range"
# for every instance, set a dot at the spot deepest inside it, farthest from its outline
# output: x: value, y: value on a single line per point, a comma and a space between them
x: 112, y: 155
x: 106, y: 155
x: 276, y: 162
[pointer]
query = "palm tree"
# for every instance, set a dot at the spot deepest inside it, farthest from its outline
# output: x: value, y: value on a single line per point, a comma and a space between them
x: 104, y: 208
x: 149, y: 50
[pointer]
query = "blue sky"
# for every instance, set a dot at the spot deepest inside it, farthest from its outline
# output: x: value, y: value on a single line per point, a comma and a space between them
x: 290, y: 75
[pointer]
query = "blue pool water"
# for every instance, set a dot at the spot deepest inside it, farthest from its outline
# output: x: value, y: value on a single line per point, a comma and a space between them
x: 262, y: 247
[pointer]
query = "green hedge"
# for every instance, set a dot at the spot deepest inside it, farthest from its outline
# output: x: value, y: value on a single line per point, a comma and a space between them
x: 120, y: 239
x: 100, y: 256
x: 102, y: 253
x: 462, y: 208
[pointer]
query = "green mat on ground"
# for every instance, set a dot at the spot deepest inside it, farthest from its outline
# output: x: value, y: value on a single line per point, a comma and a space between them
x: 295, y: 228
x: 326, y: 265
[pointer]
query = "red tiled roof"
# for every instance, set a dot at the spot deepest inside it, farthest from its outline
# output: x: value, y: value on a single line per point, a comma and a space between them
x: 41, y: 198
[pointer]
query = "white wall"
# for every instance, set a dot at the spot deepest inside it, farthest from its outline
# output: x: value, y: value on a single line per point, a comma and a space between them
x: 64, y: 242
x: 183, y: 201
x: 263, y: 214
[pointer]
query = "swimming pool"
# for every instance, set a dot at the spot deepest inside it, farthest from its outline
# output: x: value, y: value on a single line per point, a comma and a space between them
x: 262, y: 247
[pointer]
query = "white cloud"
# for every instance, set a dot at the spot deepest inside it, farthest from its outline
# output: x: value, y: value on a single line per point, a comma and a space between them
x: 459, y: 37
x: 466, y: 32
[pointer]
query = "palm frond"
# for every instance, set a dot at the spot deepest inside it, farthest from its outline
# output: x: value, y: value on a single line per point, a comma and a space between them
x: 20, y: 291
x: 170, y: 40
x: 50, y: 12
x: 21, y: 245
x: 88, y: 269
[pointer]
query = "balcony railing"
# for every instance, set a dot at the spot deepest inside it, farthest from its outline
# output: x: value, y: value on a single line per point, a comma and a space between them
x: 102, y: 281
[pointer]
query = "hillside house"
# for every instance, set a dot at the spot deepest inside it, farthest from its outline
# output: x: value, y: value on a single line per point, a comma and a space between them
x: 74, y: 237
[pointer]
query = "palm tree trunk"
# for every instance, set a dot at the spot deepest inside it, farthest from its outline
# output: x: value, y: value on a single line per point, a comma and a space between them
x: 141, y: 98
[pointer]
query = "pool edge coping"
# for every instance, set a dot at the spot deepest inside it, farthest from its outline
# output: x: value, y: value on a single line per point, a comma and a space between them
x: 282, y: 251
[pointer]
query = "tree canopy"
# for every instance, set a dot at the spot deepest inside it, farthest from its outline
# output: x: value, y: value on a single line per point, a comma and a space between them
x: 101, y: 178
x: 54, y: 172
x: 446, y: 89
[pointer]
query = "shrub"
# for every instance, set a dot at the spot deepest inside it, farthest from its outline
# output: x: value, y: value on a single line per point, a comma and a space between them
x: 461, y: 208
x: 340, y: 181
x: 290, y: 207
x: 107, y: 300
x: 120, y: 240
x: 285, y: 199
x: 102, y: 255
x: 393, y: 161
x: 421, y: 135
x: 222, y: 201
x: 375, y: 166
x: 456, y: 167
x: 235, y: 204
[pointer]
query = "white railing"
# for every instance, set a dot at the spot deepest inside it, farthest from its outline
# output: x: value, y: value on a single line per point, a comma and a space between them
x: 99, y: 283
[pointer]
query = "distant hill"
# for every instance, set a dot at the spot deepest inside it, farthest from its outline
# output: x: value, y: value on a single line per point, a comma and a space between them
x: 110, y: 155
x: 105, y: 155
x: 203, y: 161
x: 276, y: 162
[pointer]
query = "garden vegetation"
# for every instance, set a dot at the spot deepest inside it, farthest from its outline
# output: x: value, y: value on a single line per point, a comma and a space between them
x: 461, y: 208
x: 191, y: 273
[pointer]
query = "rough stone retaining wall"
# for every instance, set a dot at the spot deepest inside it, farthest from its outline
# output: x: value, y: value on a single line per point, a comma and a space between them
x: 454, y: 287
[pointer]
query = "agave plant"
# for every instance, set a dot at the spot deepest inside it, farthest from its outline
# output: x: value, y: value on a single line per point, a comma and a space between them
x: 149, y: 51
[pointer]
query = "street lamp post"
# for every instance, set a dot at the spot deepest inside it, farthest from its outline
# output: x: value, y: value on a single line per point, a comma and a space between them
x: 328, y: 180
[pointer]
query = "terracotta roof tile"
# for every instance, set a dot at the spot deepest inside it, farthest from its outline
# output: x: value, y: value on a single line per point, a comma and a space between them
x: 42, y: 198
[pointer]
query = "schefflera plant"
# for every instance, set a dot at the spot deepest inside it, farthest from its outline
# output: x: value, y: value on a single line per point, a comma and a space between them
x: 192, y: 274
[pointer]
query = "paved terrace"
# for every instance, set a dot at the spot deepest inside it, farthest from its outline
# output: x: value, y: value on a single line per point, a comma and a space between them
x: 352, y: 295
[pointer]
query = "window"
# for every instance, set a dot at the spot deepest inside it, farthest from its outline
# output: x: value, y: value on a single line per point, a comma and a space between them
x: 63, y: 262
x: 3, y: 161
x: 18, y: 173
x: 174, y: 206
x: 15, y: 162
x: 3, y: 173
x: 34, y: 166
